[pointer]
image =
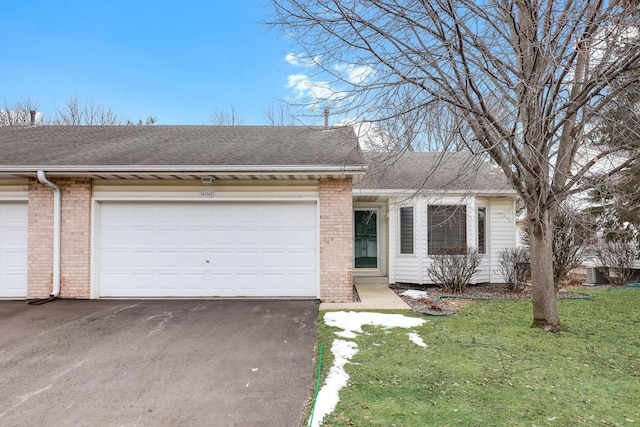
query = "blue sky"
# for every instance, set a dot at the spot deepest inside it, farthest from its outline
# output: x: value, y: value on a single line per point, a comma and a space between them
x: 176, y: 60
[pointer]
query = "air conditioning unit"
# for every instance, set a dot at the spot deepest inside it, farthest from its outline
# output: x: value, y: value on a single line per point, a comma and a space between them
x: 595, y: 277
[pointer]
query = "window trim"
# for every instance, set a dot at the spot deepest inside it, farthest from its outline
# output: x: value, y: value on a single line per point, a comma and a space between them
x: 484, y: 209
x: 400, y: 231
x: 457, y: 209
x: 377, y: 210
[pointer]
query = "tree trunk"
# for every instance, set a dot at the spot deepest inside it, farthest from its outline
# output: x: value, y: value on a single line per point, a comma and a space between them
x: 543, y: 294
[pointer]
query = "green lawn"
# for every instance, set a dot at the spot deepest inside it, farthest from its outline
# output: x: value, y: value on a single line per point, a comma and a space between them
x: 487, y: 367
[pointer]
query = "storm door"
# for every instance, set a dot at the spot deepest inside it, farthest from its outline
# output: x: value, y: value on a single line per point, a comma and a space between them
x: 365, y: 245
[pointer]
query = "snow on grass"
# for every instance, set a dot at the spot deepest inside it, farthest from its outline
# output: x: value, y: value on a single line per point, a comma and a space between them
x: 415, y: 294
x: 328, y: 396
x: 415, y: 338
x: 351, y: 323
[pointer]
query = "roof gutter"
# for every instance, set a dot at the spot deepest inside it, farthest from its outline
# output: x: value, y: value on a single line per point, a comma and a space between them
x: 431, y: 191
x: 190, y: 168
x: 56, y: 232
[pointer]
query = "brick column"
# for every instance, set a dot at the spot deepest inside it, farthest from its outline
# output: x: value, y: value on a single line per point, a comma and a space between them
x: 40, y: 240
x: 336, y: 240
x: 75, y: 238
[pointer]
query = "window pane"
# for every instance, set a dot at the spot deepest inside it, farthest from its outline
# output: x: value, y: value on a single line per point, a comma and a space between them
x: 406, y: 230
x: 365, y: 245
x: 482, y: 221
x: 447, y: 228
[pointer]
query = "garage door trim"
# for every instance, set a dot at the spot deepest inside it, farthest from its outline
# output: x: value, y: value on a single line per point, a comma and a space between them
x: 98, y: 202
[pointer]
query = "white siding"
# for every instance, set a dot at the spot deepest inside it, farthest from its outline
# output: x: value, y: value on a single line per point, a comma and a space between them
x: 502, y: 226
x: 500, y: 234
x: 406, y: 267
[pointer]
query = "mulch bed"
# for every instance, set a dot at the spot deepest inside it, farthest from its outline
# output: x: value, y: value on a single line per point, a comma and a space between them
x: 436, y: 302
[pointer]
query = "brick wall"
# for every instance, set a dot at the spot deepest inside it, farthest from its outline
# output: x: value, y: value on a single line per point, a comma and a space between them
x: 40, y: 240
x: 75, y: 255
x: 336, y: 240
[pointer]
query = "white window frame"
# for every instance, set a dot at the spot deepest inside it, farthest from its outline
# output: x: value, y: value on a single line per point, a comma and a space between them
x: 413, y: 231
x: 465, y: 213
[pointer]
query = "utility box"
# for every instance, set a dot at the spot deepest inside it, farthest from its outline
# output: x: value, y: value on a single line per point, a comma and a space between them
x: 595, y: 277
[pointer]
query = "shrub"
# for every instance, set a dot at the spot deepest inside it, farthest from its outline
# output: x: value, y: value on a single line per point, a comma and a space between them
x: 571, y: 234
x: 514, y: 266
x: 453, y: 268
x: 616, y: 260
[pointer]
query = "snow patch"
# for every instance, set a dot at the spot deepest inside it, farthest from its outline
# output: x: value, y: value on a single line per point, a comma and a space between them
x: 328, y: 396
x: 351, y: 324
x: 415, y: 338
x: 415, y: 294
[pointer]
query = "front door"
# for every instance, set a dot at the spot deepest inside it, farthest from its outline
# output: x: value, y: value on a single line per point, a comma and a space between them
x: 365, y: 247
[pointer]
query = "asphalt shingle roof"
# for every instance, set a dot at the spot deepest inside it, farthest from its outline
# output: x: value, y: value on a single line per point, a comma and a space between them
x: 177, y: 145
x: 431, y: 171
x: 249, y: 146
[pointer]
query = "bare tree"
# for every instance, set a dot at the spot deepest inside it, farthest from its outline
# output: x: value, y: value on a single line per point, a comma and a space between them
x: 527, y: 79
x: 19, y: 113
x: 571, y: 235
x: 573, y: 232
x: 221, y: 117
x: 279, y: 114
x: 150, y: 120
x: 615, y: 202
x: 75, y: 114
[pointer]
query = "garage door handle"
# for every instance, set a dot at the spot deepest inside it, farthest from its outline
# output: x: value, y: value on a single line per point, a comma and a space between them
x: 206, y: 260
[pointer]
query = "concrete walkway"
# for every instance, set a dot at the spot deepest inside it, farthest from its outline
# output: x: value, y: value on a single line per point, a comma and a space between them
x: 372, y: 297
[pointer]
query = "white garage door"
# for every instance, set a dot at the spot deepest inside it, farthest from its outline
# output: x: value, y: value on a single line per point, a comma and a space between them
x: 182, y: 249
x: 13, y: 249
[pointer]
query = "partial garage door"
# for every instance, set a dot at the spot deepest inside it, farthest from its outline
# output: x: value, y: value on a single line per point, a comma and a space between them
x: 182, y: 249
x: 13, y: 249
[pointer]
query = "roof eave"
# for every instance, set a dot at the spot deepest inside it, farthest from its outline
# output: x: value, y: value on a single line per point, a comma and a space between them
x: 188, y: 171
x: 424, y: 191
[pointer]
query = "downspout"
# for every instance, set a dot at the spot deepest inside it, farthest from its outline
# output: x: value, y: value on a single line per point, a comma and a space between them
x: 56, y: 232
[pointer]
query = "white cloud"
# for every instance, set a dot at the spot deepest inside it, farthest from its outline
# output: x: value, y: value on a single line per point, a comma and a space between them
x: 304, y: 87
x: 370, y: 137
x: 301, y: 59
x: 355, y: 74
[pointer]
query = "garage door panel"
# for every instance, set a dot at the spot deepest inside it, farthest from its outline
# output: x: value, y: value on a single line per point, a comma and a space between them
x: 13, y: 259
x: 298, y: 259
x: 247, y: 237
x: 115, y: 237
x: 197, y: 237
x: 208, y: 249
x: 13, y: 249
x: 220, y: 236
x: 248, y: 259
x: 273, y: 259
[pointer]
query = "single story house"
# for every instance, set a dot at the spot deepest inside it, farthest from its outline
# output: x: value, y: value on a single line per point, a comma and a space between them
x: 247, y: 211
x: 423, y: 203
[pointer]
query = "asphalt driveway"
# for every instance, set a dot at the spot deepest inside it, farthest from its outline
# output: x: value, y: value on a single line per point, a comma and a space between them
x: 156, y: 362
